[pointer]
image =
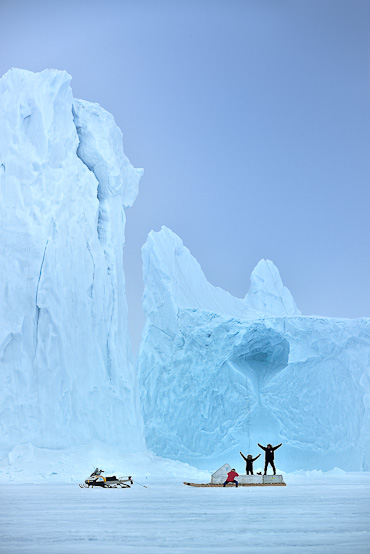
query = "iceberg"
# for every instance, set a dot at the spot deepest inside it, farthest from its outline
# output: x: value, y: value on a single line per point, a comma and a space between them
x: 67, y: 375
x: 219, y: 374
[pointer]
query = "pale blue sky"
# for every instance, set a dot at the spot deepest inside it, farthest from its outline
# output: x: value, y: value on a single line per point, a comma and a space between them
x: 251, y: 119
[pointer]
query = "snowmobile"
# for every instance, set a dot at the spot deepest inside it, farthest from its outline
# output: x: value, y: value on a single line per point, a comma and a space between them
x: 96, y: 479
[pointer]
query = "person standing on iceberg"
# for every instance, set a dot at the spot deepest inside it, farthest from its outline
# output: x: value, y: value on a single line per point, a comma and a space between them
x: 269, y: 456
x: 249, y: 462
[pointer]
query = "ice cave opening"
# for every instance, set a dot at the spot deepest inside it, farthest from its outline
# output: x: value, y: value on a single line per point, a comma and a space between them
x: 262, y: 354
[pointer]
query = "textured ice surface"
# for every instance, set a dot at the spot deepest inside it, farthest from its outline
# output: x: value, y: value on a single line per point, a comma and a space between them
x: 219, y: 374
x: 66, y: 371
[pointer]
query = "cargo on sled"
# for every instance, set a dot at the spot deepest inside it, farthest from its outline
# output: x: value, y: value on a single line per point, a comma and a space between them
x: 218, y: 479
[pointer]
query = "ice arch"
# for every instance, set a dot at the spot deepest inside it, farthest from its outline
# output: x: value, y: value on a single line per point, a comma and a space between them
x: 219, y: 374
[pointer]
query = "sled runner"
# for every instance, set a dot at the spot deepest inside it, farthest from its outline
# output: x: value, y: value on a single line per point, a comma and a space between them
x: 282, y: 484
x: 96, y: 479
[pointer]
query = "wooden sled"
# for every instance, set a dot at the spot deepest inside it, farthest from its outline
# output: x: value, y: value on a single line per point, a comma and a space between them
x: 240, y: 484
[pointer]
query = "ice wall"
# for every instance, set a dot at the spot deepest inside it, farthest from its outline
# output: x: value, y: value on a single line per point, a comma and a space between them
x: 219, y: 374
x: 66, y: 371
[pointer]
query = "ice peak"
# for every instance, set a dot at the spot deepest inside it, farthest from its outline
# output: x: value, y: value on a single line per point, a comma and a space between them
x: 182, y: 283
x: 267, y: 294
x: 174, y: 279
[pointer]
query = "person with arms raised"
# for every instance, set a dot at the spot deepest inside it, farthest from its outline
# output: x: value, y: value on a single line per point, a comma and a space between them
x: 249, y: 462
x: 269, y: 456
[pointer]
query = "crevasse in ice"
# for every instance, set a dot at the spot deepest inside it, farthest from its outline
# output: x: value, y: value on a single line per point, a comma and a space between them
x: 219, y: 374
x: 67, y: 375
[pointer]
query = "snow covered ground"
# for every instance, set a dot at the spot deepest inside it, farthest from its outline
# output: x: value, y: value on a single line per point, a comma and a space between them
x: 314, y: 513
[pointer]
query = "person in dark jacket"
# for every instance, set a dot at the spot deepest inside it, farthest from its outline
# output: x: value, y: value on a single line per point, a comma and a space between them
x: 269, y: 456
x: 249, y: 462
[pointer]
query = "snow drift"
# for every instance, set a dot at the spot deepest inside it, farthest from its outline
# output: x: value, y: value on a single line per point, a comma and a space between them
x: 219, y: 374
x: 66, y: 371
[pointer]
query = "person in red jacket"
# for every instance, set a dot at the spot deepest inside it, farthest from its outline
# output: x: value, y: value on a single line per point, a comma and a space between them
x: 231, y: 477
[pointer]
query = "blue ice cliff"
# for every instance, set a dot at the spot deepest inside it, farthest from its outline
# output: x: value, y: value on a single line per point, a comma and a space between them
x: 66, y: 374
x: 219, y: 374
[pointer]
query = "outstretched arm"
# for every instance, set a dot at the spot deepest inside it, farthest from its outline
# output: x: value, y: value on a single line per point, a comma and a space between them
x: 242, y: 455
x: 254, y: 459
x: 263, y: 448
x: 278, y: 446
